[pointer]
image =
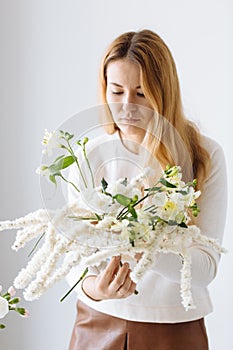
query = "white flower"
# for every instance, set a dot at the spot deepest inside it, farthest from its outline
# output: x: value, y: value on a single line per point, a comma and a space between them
x: 146, y: 172
x: 98, y: 202
x: 4, y: 309
x: 144, y: 217
x: 174, y: 176
x: 179, y: 199
x: 117, y: 187
x: 159, y: 199
x: 170, y: 210
x: 51, y: 141
x: 43, y: 170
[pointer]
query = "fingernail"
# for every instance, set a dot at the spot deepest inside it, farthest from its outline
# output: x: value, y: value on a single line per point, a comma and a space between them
x: 117, y: 257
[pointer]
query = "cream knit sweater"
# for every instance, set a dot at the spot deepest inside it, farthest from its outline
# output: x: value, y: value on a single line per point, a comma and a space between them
x: 159, y: 290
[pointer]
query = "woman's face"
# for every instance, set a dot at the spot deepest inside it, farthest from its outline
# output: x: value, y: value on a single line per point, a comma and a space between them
x: 130, y: 109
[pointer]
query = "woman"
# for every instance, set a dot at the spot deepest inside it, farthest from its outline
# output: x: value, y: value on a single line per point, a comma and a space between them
x: 141, y: 91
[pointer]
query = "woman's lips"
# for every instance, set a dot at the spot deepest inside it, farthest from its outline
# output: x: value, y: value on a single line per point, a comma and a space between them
x: 130, y: 120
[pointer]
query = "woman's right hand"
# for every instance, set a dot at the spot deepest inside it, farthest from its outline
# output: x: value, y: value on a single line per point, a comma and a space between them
x: 113, y: 282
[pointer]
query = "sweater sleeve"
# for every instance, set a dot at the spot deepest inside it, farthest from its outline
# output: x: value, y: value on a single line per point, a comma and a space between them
x: 211, y: 221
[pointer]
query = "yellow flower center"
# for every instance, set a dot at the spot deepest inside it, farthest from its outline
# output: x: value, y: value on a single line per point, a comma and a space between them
x: 169, y: 205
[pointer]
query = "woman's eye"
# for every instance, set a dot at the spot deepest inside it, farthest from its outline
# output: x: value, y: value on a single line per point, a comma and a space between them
x: 117, y: 92
x: 140, y: 94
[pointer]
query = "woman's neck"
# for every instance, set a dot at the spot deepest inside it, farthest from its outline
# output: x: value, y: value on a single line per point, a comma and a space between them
x: 131, y: 142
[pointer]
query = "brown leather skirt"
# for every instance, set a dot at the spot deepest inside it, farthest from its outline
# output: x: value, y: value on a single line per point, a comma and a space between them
x: 97, y: 331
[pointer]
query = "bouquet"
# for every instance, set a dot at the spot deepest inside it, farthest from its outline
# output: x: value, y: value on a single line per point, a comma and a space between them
x: 124, y: 218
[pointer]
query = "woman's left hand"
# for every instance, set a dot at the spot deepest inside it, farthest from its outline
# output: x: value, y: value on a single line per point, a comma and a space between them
x: 113, y: 282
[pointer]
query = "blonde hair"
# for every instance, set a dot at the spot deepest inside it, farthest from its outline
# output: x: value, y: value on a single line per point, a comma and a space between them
x: 173, y: 133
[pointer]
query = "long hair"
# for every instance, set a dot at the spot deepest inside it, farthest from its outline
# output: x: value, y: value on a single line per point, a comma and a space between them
x: 174, y: 138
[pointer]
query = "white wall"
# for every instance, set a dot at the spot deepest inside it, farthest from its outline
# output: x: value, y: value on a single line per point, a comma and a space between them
x: 50, y: 54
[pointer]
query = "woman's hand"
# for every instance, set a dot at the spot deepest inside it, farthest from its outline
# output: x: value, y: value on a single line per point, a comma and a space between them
x: 113, y: 282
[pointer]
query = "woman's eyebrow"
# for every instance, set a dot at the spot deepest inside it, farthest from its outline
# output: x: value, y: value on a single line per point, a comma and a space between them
x: 118, y: 85
x: 115, y: 84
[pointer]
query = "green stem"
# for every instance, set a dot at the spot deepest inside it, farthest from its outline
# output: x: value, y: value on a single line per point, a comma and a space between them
x: 36, y: 244
x: 80, y: 279
x: 125, y: 210
x: 69, y: 182
x: 89, y: 166
x: 77, y: 163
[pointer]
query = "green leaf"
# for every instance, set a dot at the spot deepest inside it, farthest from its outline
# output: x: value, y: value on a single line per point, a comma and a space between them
x: 52, y: 178
x: 61, y: 164
x: 2, y: 326
x: 172, y: 223
x: 104, y: 184
x: 183, y: 224
x: 184, y: 193
x: 134, y: 199
x: 133, y: 212
x: 166, y: 183
x: 67, y: 161
x: 123, y: 200
x: 56, y: 167
x: 168, y: 169
x: 153, y: 189
x: 98, y: 217
x: 194, y: 183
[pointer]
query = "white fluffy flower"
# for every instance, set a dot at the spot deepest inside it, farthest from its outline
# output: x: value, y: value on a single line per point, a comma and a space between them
x: 74, y: 230
x: 4, y: 309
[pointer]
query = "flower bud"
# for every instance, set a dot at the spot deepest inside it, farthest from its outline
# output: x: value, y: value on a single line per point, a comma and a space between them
x: 11, y: 291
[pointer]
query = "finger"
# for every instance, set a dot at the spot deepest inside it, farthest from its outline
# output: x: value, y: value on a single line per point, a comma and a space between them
x: 127, y: 289
x: 120, y: 278
x: 109, y: 273
x: 127, y: 284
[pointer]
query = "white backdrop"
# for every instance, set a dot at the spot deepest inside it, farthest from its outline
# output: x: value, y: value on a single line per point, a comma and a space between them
x: 50, y: 54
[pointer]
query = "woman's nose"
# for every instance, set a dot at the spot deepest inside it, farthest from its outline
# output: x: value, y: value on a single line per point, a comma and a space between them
x: 128, y: 103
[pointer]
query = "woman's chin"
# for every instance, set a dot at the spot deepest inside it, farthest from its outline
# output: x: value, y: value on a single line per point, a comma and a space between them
x: 131, y: 131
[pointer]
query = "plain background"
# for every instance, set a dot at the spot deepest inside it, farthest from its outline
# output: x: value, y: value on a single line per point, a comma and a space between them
x: 50, y: 55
